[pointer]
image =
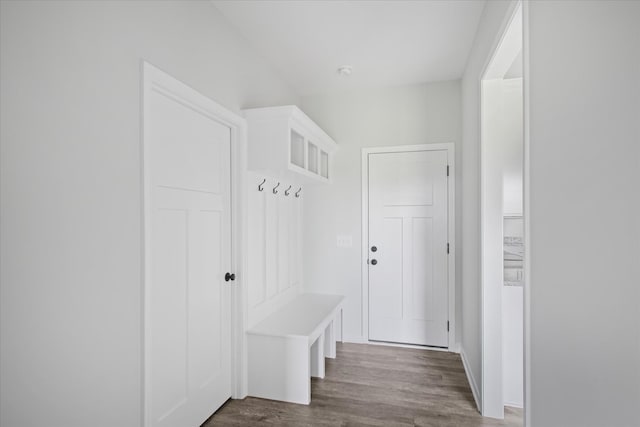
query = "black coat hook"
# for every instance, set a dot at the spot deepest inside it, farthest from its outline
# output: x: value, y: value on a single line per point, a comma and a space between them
x: 298, y: 192
x: 274, y: 189
x: 261, y: 184
x: 286, y: 192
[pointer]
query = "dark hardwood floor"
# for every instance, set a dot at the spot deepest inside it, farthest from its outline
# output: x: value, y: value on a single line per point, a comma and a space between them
x: 369, y: 385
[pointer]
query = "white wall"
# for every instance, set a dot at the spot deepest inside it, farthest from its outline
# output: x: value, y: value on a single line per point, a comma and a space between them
x: 493, y: 19
x: 417, y: 114
x: 585, y: 213
x: 71, y: 191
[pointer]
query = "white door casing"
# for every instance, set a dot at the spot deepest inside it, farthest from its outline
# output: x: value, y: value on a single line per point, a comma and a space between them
x: 506, y: 45
x: 408, y: 295
x: 188, y: 249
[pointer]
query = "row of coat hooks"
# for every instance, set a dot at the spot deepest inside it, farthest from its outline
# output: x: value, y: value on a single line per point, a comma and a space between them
x: 275, y: 189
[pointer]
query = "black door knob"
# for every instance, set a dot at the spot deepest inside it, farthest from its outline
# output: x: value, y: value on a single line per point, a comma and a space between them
x: 374, y: 262
x: 229, y: 276
x: 373, y: 248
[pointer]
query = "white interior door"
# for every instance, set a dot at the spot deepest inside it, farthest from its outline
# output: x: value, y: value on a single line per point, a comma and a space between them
x: 190, y: 246
x: 408, y: 253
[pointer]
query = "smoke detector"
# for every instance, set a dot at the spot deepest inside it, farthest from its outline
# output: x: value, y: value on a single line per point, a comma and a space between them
x: 345, y: 70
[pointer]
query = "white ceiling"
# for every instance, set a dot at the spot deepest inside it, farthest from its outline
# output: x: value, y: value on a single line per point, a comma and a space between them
x: 387, y: 42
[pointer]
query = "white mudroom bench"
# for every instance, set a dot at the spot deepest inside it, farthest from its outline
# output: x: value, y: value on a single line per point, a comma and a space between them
x: 288, y: 347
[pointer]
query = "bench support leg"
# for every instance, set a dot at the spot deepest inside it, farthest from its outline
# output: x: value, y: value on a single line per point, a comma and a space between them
x: 317, y: 358
x: 330, y: 340
x: 279, y: 368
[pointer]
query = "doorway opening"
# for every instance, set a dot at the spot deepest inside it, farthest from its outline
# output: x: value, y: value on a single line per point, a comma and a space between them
x: 503, y: 223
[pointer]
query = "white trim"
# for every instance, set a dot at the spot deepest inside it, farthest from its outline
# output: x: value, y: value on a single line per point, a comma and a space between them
x: 145, y: 201
x: 449, y: 147
x: 413, y: 346
x: 156, y: 79
x: 364, y: 285
x: 239, y: 241
x: 508, y: 18
x: 526, y: 213
x: 472, y: 382
x: 456, y: 348
x: 357, y: 340
x: 513, y: 405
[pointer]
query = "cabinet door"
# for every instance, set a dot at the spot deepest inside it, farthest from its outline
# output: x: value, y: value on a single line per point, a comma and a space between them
x: 324, y: 164
x: 312, y: 153
x: 296, y: 149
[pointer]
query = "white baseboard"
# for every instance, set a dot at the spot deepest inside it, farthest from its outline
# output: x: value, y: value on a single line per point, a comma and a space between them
x: 454, y: 349
x: 355, y: 341
x: 472, y: 382
x: 399, y: 345
x: 514, y: 405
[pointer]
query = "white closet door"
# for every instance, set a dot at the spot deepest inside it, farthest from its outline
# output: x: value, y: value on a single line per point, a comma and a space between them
x: 190, y: 246
x: 408, y: 291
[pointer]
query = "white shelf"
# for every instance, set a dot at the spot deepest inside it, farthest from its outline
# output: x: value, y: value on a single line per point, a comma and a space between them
x: 285, y: 142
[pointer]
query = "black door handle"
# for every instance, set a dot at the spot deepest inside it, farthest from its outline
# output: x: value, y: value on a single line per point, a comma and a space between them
x: 374, y: 262
x: 229, y: 276
x: 373, y: 248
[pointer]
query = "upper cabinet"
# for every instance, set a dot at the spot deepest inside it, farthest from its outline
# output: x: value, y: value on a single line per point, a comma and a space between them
x: 286, y: 142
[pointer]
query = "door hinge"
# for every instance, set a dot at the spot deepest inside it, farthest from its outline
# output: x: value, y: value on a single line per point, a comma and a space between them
x: 447, y: 248
x: 447, y: 326
x: 447, y: 170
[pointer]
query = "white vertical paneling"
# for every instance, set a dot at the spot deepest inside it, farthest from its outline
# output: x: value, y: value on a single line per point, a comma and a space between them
x: 256, y: 250
x: 275, y: 245
x: 294, y: 235
x: 271, y: 236
x: 284, y: 219
x: 299, y: 213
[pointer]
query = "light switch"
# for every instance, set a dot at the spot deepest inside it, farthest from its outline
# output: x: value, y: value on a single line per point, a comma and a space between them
x: 344, y: 241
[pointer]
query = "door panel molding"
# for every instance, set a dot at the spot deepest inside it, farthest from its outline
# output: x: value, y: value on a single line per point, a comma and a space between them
x: 451, y: 268
x: 154, y: 80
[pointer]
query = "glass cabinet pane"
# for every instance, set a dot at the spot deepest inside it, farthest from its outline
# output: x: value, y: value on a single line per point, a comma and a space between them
x: 297, y: 149
x: 324, y: 164
x: 313, y: 158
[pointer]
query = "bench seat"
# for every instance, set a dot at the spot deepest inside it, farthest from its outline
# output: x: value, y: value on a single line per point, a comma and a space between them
x: 288, y: 347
